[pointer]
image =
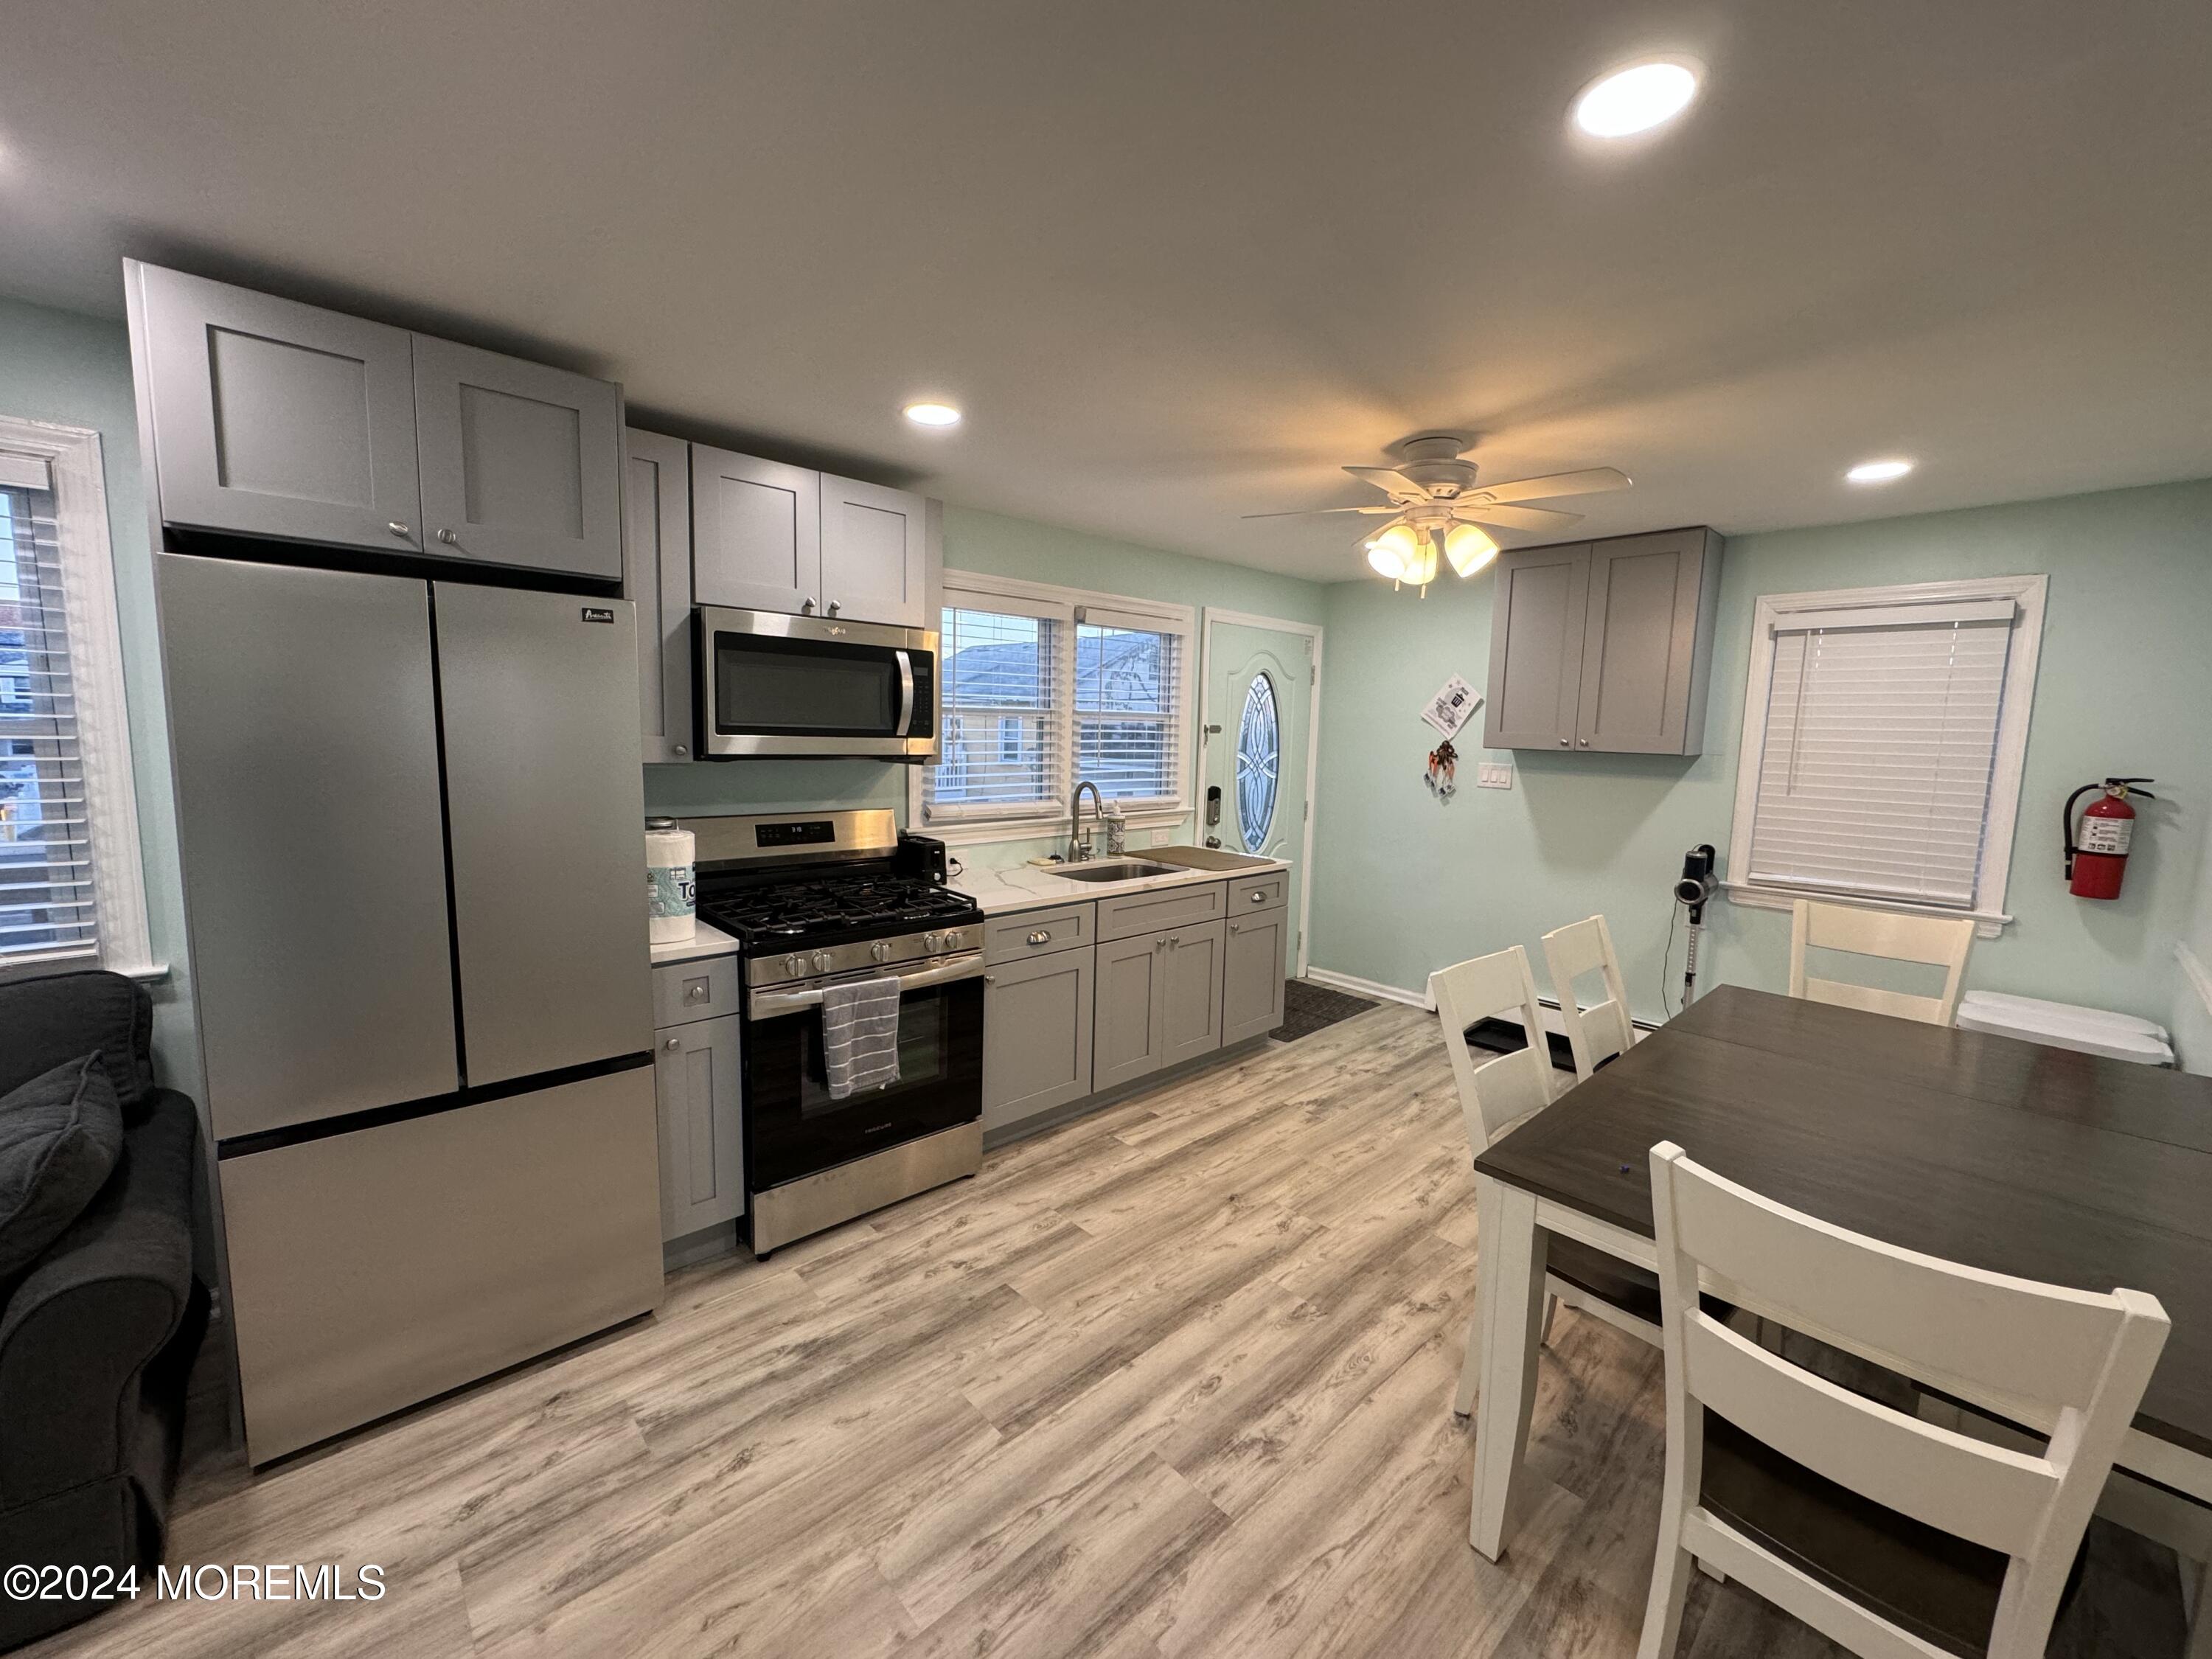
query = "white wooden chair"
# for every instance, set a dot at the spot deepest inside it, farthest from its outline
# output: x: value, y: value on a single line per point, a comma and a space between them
x: 1878, y: 1501
x: 1495, y: 1094
x: 1594, y: 1034
x: 1944, y: 942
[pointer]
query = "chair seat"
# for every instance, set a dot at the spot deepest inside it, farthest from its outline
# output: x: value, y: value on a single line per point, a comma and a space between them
x: 1609, y: 1278
x: 1942, y: 1588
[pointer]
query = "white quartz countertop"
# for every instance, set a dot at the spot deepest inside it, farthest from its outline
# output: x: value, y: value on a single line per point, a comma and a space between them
x: 1031, y: 887
x: 706, y: 942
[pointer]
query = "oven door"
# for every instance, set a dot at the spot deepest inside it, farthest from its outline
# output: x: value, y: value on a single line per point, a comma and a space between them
x: 793, y: 1127
x: 772, y: 684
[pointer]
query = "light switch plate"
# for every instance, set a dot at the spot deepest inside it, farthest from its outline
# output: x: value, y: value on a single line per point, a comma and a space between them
x: 1493, y: 775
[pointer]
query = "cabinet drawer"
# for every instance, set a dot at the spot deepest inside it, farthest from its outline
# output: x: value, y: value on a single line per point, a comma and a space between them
x: 1172, y: 907
x: 1249, y: 895
x: 1038, y: 932
x: 685, y: 991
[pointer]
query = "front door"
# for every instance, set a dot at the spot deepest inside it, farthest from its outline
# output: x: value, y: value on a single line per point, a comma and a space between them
x: 1259, y: 702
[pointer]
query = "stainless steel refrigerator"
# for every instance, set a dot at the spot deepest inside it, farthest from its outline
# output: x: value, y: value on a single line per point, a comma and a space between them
x: 409, y: 816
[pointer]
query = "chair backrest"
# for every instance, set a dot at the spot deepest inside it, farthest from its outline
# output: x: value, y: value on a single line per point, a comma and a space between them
x: 2080, y: 1361
x: 1494, y: 1093
x: 1596, y: 1034
x: 1942, y: 941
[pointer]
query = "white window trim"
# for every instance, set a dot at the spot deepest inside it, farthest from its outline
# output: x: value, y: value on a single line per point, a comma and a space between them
x: 119, y: 873
x: 2029, y: 593
x: 1047, y: 819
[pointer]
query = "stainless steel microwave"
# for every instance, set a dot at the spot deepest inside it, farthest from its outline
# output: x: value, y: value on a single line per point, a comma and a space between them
x: 777, y: 684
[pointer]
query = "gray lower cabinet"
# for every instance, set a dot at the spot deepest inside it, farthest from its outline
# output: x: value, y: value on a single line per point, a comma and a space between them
x: 1604, y: 647
x: 1252, y: 958
x: 657, y: 574
x: 1190, y: 994
x: 272, y: 418
x: 696, y: 1089
x: 521, y: 464
x: 1037, y: 1034
x: 1128, y: 1040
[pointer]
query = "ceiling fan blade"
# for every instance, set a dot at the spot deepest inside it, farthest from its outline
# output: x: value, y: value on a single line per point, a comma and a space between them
x: 1590, y: 482
x: 1313, y: 511
x: 1383, y: 477
x: 1514, y: 518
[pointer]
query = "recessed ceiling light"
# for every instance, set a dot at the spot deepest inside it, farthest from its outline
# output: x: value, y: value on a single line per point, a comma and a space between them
x: 1878, y: 471
x: 1637, y: 98
x: 933, y: 413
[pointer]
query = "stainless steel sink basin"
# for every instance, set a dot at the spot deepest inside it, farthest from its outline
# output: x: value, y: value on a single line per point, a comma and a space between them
x: 1114, y: 870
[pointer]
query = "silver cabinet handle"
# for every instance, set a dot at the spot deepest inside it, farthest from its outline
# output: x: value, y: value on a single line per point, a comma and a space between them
x: 905, y: 660
x: 1259, y: 896
x: 1235, y: 928
x: 1040, y: 937
x: 990, y: 979
x: 399, y: 529
x: 452, y: 539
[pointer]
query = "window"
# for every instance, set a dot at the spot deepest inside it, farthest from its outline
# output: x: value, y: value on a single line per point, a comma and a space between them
x: 1041, y: 687
x: 1884, y: 730
x: 1259, y: 756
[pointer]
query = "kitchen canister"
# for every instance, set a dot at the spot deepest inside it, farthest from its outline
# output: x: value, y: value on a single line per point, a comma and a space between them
x: 671, y: 884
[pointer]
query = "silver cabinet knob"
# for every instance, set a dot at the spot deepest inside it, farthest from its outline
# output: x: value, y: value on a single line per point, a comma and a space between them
x: 696, y: 993
x: 1563, y: 743
x: 673, y: 1044
x: 399, y: 529
x: 806, y: 606
x: 451, y: 538
x: 1259, y: 896
x: 990, y: 979
x: 1235, y: 928
x: 821, y: 962
x: 681, y: 750
x: 1040, y: 937
x: 1585, y: 742
x: 833, y: 607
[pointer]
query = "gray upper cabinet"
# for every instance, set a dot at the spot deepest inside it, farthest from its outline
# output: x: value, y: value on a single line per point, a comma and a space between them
x: 272, y: 418
x: 1647, y: 642
x: 1604, y: 647
x: 875, y: 559
x: 521, y: 465
x: 1536, y: 647
x: 657, y: 576
x: 1252, y: 972
x: 755, y: 533
x: 1037, y: 1034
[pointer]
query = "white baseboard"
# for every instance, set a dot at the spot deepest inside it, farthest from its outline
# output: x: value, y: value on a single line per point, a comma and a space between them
x: 1368, y: 987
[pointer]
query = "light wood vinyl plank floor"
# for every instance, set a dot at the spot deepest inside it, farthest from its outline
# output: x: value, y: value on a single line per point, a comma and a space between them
x: 1172, y: 1381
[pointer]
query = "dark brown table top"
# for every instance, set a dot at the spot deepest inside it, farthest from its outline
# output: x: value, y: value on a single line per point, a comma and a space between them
x: 1984, y: 1150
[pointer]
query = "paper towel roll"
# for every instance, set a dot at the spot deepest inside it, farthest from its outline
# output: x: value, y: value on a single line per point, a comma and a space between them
x: 670, y: 887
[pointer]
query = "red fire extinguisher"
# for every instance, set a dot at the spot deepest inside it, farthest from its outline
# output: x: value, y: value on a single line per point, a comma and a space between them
x: 2097, y: 859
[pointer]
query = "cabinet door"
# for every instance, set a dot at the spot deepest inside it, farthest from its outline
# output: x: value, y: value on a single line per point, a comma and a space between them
x: 1639, y: 642
x: 1536, y: 647
x: 657, y: 576
x: 1037, y: 1035
x: 755, y: 533
x: 521, y: 464
x: 1189, y: 1014
x: 702, y: 1157
x: 1252, y: 976
x: 875, y: 562
x: 1127, y: 1039
x: 276, y: 419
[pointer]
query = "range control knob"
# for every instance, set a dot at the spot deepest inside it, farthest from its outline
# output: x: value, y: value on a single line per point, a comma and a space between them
x: 933, y: 942
x: 881, y: 950
x: 821, y: 962
x: 795, y: 964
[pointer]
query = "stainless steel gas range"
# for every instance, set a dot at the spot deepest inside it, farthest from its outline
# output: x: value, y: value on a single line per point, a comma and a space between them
x: 821, y: 899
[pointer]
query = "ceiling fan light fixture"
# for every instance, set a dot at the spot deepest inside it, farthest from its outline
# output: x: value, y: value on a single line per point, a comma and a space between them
x: 1469, y: 548
x: 1391, y: 553
x: 1623, y: 102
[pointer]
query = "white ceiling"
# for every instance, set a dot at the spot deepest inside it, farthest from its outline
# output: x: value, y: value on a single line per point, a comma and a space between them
x: 1178, y: 261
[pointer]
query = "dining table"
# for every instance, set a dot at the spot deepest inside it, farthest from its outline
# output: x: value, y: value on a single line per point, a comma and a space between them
x: 2013, y: 1157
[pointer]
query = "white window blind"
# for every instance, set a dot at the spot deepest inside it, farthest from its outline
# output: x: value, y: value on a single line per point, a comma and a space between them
x: 1881, y: 739
x: 999, y: 706
x: 1127, y: 711
x: 48, y: 912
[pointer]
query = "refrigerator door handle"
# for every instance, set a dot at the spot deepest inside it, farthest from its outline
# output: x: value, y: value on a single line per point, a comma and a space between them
x: 906, y: 691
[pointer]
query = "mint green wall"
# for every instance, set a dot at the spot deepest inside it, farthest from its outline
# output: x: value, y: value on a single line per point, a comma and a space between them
x: 2192, y: 1020
x: 1404, y: 886
x: 75, y: 370
x: 989, y: 544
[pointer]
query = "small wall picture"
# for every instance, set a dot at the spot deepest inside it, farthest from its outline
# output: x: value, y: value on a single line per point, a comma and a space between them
x: 1448, y: 710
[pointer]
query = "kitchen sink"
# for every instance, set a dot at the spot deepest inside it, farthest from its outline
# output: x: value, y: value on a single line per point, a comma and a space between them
x: 1114, y: 870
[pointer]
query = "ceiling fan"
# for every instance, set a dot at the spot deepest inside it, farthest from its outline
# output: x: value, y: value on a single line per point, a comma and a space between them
x: 1436, y: 508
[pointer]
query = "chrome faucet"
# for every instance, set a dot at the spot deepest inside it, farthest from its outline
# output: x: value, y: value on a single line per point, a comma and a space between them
x: 1079, y: 838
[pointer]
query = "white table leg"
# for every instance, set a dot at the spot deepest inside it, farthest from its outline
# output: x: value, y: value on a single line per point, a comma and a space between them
x: 1510, y: 1308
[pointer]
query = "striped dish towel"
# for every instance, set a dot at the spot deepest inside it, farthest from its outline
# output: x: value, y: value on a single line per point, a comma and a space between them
x: 860, y: 1035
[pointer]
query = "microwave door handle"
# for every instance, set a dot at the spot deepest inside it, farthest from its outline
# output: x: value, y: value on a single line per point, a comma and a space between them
x: 906, y: 692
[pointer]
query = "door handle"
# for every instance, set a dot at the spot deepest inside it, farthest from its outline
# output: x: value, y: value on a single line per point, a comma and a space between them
x: 906, y: 688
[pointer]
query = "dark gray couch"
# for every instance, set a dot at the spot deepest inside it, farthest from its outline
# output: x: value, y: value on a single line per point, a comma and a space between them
x: 97, y: 1337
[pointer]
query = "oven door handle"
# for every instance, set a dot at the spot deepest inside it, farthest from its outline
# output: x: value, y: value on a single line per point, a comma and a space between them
x: 767, y: 1005
x: 906, y: 692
